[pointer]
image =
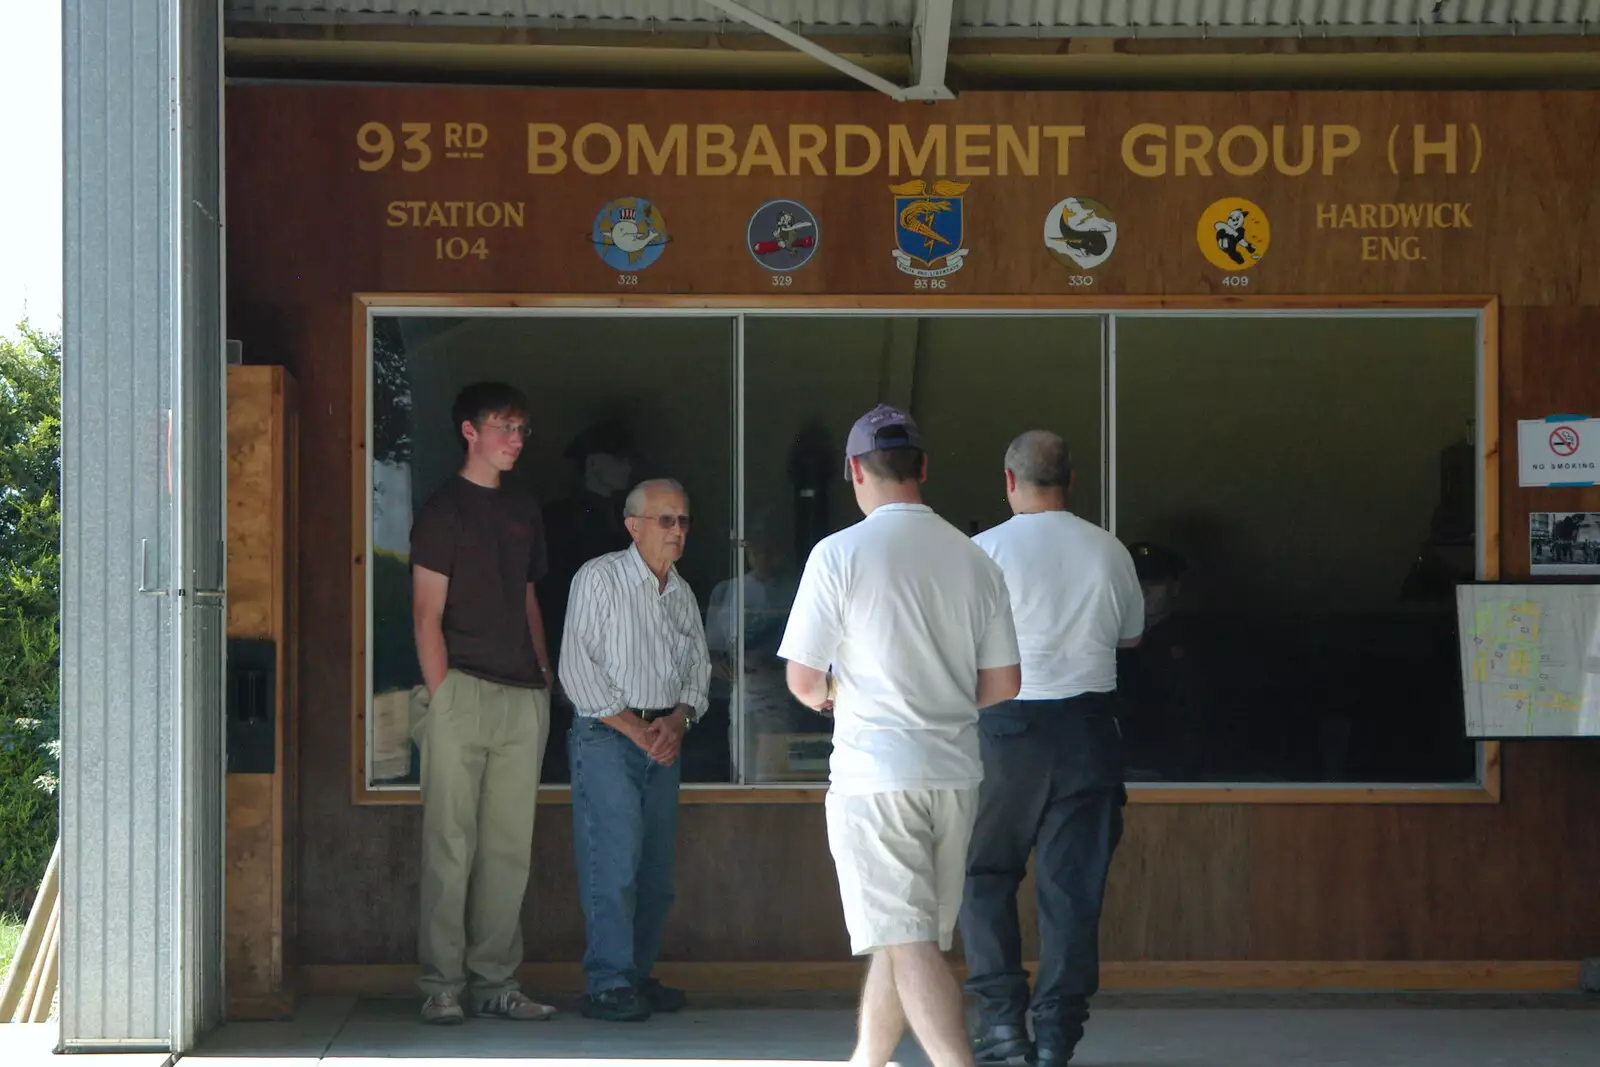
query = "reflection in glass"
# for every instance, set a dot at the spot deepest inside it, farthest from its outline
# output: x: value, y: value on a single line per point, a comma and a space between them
x: 1299, y: 495
x: 972, y: 383
x: 615, y: 400
x: 1316, y: 479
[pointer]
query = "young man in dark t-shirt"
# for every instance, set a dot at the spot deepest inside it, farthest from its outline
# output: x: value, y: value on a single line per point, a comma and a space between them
x: 481, y: 716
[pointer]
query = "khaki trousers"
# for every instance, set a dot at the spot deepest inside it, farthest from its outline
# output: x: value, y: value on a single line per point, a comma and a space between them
x: 482, y: 749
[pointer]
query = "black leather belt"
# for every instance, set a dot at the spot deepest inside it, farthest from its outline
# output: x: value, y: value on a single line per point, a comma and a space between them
x: 652, y: 714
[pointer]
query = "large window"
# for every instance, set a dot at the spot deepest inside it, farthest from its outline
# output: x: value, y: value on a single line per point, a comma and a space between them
x: 1309, y: 484
x: 1318, y: 479
x: 615, y: 400
x: 971, y: 382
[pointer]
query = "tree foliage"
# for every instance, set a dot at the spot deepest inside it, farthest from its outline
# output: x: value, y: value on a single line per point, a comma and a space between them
x: 30, y: 566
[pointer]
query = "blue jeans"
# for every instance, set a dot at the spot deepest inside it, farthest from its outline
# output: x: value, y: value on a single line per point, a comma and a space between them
x: 624, y: 829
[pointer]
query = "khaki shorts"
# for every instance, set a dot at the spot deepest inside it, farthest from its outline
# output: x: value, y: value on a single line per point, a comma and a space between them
x: 901, y: 858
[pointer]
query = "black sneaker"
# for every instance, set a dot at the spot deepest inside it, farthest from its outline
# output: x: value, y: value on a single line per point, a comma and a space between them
x: 662, y: 998
x: 616, y: 1006
x: 1003, y: 1044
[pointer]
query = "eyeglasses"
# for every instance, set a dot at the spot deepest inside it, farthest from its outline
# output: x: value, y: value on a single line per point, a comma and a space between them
x: 509, y: 429
x: 667, y: 522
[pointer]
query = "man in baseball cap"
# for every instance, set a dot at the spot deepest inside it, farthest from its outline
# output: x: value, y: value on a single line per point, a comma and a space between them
x: 882, y: 428
x: 901, y: 629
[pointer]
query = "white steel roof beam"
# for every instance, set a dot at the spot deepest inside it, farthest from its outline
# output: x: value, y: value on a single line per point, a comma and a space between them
x: 930, y: 48
x: 920, y: 91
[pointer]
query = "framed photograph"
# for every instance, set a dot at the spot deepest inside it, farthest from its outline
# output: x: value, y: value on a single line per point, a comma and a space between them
x: 1564, y: 542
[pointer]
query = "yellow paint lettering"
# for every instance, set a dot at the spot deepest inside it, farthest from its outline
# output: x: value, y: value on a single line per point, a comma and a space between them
x: 547, y: 152
x: 1152, y: 162
x: 1369, y: 216
x: 1280, y: 157
x: 580, y: 148
x: 1328, y: 215
x: 1337, y: 143
x: 916, y: 160
x: 807, y: 142
x: 1422, y: 148
x: 1225, y: 145
x: 968, y: 154
x: 397, y: 213
x: 841, y: 161
x: 675, y: 146
x: 435, y: 215
x: 714, y: 141
x: 1062, y: 136
x: 760, y: 150
x: 1011, y: 147
x: 1193, y: 145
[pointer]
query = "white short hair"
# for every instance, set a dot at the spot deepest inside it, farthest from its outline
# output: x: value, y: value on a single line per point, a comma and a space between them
x: 634, y: 504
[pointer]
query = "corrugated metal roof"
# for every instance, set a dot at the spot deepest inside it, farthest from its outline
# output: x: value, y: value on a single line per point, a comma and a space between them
x: 1060, y: 18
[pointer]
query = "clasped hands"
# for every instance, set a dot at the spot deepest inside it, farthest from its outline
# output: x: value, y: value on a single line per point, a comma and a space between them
x: 661, y: 739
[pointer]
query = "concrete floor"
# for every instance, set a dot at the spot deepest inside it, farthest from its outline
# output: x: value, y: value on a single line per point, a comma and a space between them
x: 1127, y: 1030
x: 33, y: 1045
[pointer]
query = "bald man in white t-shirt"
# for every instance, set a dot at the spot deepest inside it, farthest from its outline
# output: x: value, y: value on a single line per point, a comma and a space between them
x: 914, y: 623
x: 1053, y: 764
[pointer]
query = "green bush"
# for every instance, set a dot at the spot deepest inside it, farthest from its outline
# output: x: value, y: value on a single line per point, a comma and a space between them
x: 30, y: 564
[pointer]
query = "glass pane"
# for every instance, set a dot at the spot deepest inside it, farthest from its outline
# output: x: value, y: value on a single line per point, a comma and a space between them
x: 1317, y: 477
x: 615, y: 400
x: 972, y: 382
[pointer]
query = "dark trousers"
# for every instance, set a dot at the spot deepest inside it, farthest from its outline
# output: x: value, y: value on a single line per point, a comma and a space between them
x: 1052, y: 784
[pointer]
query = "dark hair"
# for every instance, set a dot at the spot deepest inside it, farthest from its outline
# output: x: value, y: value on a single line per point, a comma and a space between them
x: 1041, y: 459
x: 481, y: 399
x: 894, y: 464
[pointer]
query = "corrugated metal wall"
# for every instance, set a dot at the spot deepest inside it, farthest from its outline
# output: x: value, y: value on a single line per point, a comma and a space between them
x: 141, y: 800
x: 202, y: 508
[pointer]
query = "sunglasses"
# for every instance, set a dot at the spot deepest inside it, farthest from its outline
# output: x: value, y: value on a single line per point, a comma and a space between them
x: 667, y: 522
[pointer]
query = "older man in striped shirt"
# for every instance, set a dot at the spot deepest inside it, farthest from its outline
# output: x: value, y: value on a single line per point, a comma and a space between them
x: 635, y: 666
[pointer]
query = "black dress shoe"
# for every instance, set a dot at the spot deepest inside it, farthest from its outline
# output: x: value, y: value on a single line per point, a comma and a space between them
x: 616, y: 1006
x: 662, y: 998
x: 1054, y: 1055
x: 1003, y: 1044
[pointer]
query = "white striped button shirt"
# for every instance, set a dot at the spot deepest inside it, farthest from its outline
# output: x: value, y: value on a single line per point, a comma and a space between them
x: 628, y: 644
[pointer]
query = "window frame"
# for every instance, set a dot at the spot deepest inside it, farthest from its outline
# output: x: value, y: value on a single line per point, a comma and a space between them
x: 1484, y: 789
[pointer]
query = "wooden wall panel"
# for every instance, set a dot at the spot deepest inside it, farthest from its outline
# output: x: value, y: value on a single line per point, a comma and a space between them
x: 1168, y: 898
x: 1474, y: 156
x: 1224, y: 882
x: 259, y: 897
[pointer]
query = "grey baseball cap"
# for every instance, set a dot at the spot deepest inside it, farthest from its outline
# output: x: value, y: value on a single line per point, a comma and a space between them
x: 882, y: 427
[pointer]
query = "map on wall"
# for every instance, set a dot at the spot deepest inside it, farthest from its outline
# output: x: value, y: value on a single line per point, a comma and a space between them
x: 1530, y: 659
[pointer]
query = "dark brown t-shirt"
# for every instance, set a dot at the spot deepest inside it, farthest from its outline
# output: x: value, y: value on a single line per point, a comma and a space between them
x: 490, y: 544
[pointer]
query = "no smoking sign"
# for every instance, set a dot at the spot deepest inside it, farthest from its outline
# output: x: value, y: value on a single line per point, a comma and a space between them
x: 1558, y: 451
x: 1564, y: 441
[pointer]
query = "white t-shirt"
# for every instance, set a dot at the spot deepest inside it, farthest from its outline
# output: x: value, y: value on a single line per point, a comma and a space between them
x: 906, y: 611
x: 1074, y: 595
